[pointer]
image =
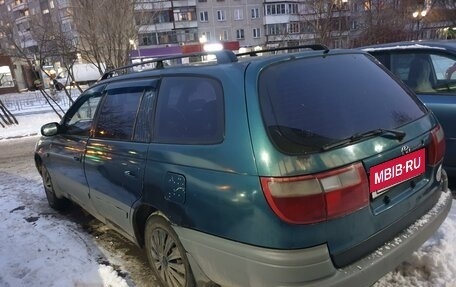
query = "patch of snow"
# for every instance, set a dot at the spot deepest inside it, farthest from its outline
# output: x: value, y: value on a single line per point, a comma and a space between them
x: 29, y: 125
x: 43, y: 248
x: 401, y: 47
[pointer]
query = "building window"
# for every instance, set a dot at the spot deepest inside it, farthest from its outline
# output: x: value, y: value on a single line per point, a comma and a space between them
x: 159, y: 38
x: 240, y: 34
x: 337, y: 43
x: 186, y: 35
x: 238, y: 14
x: 223, y: 36
x: 256, y: 33
x: 281, y: 9
x: 46, y: 11
x: 204, y: 16
x: 255, y: 13
x: 276, y: 29
x: 221, y: 15
x: 185, y: 14
x: 354, y: 25
x: 202, y: 1
x: 206, y: 36
x: 293, y: 28
x: 67, y: 26
x: 23, y: 26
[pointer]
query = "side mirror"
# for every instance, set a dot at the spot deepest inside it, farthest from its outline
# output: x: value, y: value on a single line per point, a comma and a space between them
x: 50, y: 129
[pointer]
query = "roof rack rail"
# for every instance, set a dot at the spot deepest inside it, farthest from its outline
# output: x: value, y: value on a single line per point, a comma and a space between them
x: 223, y: 57
x: 312, y: 47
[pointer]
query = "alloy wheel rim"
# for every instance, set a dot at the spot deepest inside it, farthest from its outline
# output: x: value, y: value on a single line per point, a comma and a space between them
x: 47, y: 180
x: 48, y: 185
x: 167, y: 259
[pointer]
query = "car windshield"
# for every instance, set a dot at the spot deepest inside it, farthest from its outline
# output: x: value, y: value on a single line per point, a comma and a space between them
x: 313, y: 102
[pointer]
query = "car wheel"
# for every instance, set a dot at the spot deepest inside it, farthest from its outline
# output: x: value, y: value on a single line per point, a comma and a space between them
x: 54, y: 202
x: 166, y: 254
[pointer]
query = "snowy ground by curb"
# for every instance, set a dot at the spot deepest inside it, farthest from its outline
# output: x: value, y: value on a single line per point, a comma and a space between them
x: 29, y: 125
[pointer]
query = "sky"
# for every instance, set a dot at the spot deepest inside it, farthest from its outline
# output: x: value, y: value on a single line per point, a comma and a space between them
x: 41, y: 247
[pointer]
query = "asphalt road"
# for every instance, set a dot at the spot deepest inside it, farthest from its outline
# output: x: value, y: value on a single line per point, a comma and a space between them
x: 17, y: 155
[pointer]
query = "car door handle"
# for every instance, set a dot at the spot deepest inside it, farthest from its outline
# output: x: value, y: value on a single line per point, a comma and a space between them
x: 129, y: 173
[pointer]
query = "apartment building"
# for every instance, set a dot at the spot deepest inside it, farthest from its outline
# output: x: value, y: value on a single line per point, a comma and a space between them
x: 166, y: 22
x: 167, y: 27
x: 25, y: 14
x: 20, y: 23
x: 250, y: 23
x: 231, y: 20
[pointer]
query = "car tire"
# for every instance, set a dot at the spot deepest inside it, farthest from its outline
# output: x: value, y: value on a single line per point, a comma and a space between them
x: 166, y: 254
x: 53, y: 201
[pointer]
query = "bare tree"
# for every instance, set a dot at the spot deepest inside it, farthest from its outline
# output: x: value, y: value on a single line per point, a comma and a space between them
x: 34, y: 44
x: 384, y: 21
x: 326, y: 19
x: 105, y: 29
x: 14, y: 45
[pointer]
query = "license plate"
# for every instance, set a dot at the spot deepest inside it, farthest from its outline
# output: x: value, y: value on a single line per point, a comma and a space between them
x: 395, y: 171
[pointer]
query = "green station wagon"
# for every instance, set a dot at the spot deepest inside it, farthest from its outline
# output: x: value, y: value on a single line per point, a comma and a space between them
x: 311, y: 167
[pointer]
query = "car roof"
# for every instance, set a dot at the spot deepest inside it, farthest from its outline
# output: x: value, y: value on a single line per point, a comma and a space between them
x: 415, y: 45
x: 229, y: 60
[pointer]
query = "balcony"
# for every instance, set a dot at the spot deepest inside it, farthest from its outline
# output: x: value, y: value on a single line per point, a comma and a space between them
x: 186, y: 24
x: 290, y: 37
x: 26, y: 40
x: 19, y: 6
x: 162, y: 27
x: 186, y: 3
x: 163, y: 5
x: 22, y: 19
x: 63, y: 4
x: 154, y: 6
x: 24, y: 35
x: 276, y: 19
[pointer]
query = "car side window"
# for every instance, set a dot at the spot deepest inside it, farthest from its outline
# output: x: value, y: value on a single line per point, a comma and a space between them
x: 79, y: 117
x: 445, y: 67
x: 429, y: 73
x: 144, y: 121
x: 116, y: 119
x: 190, y: 110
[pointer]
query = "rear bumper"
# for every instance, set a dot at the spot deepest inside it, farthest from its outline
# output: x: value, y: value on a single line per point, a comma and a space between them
x: 230, y: 263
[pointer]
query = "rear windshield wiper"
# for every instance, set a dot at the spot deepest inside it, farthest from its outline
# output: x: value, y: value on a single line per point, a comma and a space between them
x: 394, y: 134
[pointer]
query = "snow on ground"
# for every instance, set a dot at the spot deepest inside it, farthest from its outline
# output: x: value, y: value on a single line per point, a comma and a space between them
x: 29, y: 125
x: 41, y: 247
x: 434, y: 264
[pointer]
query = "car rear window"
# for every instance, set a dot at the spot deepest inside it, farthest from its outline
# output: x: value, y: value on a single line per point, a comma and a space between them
x: 312, y: 102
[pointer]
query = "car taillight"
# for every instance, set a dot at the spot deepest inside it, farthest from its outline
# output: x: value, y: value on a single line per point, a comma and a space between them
x: 436, y: 149
x: 319, y: 197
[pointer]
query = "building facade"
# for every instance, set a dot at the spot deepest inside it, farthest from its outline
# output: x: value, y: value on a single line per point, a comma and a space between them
x: 20, y: 24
